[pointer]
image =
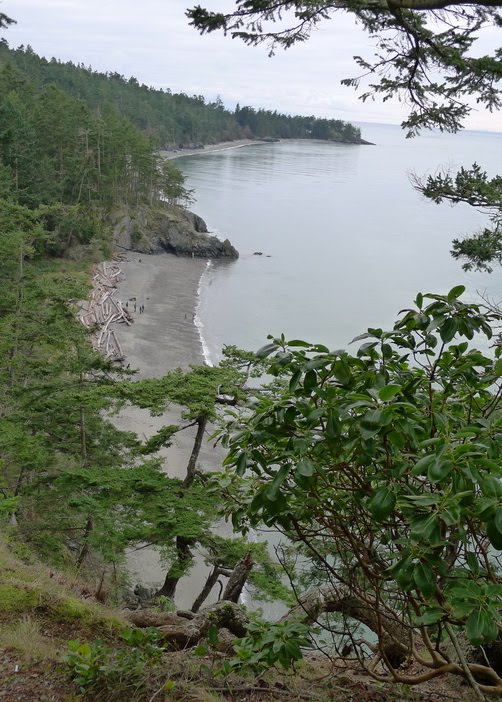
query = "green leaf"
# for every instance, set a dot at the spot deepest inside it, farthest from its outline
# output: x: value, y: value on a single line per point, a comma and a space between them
x: 421, y: 467
x: 439, y: 469
x: 280, y: 477
x: 373, y: 418
x: 432, y: 615
x: 424, y: 525
x: 397, y: 439
x: 305, y: 467
x: 448, y: 330
x: 341, y: 371
x: 472, y: 562
x: 491, y: 486
x: 424, y: 578
x: 481, y: 627
x: 382, y: 503
x: 299, y: 342
x: 266, y: 350
x: 310, y: 381
x: 242, y: 464
x: 419, y: 300
x: 455, y: 292
x: 293, y: 383
x: 388, y: 392
x: 494, y: 535
x: 498, y: 520
x: 213, y: 635
x: 332, y: 426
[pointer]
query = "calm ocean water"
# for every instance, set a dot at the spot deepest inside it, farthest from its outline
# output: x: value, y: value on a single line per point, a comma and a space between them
x: 346, y: 241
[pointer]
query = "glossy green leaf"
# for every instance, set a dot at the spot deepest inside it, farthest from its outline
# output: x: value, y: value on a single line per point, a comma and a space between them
x: 310, y: 381
x: 388, y: 392
x: 455, y: 292
x: 448, y: 330
x: 382, y: 503
x: 242, y: 463
x: 491, y: 486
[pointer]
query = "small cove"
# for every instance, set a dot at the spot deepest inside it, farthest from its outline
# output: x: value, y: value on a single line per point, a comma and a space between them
x: 346, y: 241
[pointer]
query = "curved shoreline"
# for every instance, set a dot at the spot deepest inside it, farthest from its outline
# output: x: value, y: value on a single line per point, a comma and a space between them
x: 230, y: 145
x: 163, y: 337
x: 211, y: 148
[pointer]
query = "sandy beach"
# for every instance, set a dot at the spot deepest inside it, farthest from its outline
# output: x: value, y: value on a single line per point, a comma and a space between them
x: 162, y: 337
x: 211, y: 148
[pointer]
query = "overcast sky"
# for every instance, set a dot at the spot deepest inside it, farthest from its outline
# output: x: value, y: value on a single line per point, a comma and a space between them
x: 153, y: 41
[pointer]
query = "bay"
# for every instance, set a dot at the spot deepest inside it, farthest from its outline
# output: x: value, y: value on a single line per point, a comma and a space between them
x: 346, y: 241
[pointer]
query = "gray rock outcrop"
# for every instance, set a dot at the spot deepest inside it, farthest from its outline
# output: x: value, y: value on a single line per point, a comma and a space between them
x: 164, y: 229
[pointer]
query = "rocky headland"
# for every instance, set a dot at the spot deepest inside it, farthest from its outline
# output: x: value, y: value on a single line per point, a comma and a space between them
x: 167, y: 229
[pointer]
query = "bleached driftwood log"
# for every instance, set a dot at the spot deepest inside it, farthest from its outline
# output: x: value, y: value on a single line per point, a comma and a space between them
x: 103, y: 310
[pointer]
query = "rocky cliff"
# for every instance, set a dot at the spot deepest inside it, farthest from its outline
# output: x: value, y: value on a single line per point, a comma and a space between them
x: 167, y: 229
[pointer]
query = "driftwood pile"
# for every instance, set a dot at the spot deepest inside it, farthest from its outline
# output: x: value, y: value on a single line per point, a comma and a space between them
x: 103, y: 310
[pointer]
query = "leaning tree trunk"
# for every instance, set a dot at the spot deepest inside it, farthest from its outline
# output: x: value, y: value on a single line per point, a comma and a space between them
x: 393, y: 637
x: 179, y: 567
x: 238, y: 579
x: 192, y: 463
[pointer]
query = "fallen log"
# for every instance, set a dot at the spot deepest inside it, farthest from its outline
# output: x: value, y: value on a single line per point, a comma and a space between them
x: 230, y: 620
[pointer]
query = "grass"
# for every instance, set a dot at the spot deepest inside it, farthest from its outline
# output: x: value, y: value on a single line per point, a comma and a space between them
x: 16, y: 598
x: 41, y: 610
x: 26, y: 638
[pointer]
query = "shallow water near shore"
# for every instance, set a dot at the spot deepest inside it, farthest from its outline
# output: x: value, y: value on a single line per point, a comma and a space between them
x: 346, y: 241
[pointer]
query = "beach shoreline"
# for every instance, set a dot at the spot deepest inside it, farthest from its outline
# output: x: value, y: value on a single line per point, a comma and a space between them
x: 211, y: 148
x: 161, y: 294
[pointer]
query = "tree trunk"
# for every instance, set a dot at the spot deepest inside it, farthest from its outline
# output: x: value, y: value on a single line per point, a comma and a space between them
x: 179, y: 567
x: 85, y: 547
x: 192, y: 463
x: 208, y: 586
x: 393, y: 637
x: 238, y: 579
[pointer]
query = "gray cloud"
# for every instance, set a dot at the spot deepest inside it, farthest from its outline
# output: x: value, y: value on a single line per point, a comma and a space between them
x: 153, y: 41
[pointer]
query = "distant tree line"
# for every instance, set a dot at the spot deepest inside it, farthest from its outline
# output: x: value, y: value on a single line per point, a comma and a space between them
x: 265, y: 123
x: 172, y: 119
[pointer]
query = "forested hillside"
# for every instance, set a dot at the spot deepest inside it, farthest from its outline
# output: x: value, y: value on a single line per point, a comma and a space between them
x: 172, y: 119
x: 71, y: 485
x: 380, y: 467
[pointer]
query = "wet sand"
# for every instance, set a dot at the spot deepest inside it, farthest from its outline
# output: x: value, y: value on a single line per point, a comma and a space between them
x: 163, y: 337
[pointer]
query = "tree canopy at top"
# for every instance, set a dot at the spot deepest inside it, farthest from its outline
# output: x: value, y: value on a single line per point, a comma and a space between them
x: 428, y: 51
